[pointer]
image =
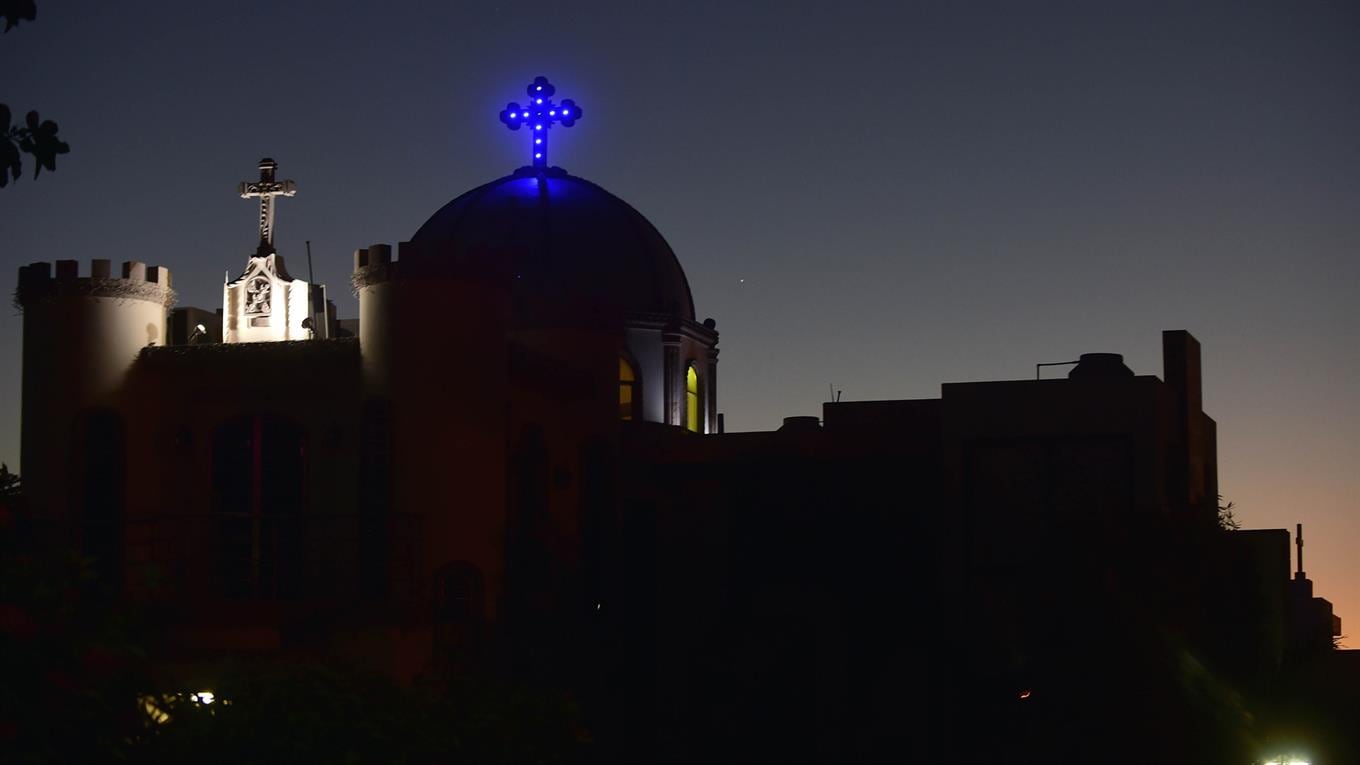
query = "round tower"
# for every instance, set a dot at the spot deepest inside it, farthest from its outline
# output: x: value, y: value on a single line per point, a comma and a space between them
x: 81, y: 337
x: 372, y: 285
x: 434, y: 368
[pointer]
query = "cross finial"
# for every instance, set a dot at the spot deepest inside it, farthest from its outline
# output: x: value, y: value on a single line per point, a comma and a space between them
x: 266, y: 189
x: 539, y: 115
x: 1298, y: 540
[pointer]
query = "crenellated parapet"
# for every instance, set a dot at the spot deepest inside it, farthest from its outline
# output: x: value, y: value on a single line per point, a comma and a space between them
x: 82, y: 333
x: 138, y: 281
x: 376, y: 264
x: 373, y: 265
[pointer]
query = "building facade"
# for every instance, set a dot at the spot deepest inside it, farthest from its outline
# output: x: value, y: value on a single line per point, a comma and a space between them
x: 516, y: 462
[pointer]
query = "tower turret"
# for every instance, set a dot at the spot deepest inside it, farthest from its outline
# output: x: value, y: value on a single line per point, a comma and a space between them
x: 81, y: 337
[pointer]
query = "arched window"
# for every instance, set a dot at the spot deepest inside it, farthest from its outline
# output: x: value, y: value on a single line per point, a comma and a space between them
x: 104, y: 466
x: 629, y: 397
x: 692, y: 400
x: 259, y: 497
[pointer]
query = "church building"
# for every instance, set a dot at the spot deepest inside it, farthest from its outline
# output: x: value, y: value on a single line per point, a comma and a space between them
x: 515, y: 458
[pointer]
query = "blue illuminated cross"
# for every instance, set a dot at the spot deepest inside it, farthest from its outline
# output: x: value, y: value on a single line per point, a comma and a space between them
x: 539, y: 115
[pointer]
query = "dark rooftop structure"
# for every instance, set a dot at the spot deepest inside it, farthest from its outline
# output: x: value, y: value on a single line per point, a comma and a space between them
x: 562, y: 235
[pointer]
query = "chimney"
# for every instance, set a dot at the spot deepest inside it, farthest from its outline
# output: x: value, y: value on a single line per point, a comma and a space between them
x: 1186, y: 469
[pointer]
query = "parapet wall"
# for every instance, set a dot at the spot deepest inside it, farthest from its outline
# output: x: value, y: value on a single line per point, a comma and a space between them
x: 38, y: 282
x: 487, y: 265
x: 372, y: 265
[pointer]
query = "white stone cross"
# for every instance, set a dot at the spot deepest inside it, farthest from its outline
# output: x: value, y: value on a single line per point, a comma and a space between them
x: 266, y: 189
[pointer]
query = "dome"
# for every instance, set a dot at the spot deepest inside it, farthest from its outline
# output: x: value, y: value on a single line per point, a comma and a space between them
x: 569, y: 239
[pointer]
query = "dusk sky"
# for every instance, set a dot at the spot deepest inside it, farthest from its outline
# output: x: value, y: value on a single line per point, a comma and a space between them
x: 875, y: 197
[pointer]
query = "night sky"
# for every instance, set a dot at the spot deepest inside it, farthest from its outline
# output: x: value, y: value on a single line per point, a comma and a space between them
x: 877, y: 198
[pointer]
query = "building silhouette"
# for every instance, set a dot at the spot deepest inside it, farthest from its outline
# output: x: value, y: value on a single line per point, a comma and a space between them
x: 513, y: 462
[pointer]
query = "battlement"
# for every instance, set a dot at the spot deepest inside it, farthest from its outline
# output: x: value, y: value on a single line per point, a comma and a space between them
x: 374, y: 264
x: 38, y: 282
x: 375, y: 255
x: 422, y: 260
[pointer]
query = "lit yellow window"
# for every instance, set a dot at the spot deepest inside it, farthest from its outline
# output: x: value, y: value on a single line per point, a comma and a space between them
x: 692, y: 400
x: 627, y: 390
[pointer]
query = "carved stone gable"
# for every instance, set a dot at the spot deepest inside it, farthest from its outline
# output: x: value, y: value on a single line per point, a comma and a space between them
x: 258, y: 291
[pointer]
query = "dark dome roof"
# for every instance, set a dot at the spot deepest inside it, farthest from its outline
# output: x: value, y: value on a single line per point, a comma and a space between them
x: 569, y: 239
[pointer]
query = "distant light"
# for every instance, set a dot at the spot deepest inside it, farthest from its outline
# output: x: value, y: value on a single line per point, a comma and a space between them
x: 564, y: 112
x: 538, y: 155
x: 598, y: 606
x: 538, y: 140
x: 526, y: 115
x: 200, y: 328
x: 203, y: 697
x: 540, y: 87
x: 552, y: 112
x: 153, y: 709
x: 538, y: 127
x: 1025, y: 694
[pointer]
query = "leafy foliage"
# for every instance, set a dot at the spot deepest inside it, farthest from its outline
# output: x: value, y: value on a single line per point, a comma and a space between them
x: 9, y: 482
x: 1226, y: 520
x: 84, y: 681
x: 323, y: 712
x: 70, y: 664
x: 11, y: 163
x: 36, y: 137
x: 15, y: 11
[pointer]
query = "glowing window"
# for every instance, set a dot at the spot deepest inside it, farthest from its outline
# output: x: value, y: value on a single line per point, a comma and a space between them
x: 692, y: 400
x: 628, y: 390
